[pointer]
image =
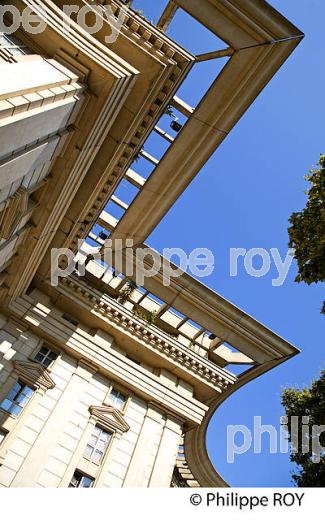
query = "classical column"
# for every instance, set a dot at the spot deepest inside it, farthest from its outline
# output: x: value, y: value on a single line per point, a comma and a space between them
x: 166, y: 457
x: 15, y: 424
x: 77, y: 455
x: 142, y: 457
x: 34, y: 463
x: 107, y: 460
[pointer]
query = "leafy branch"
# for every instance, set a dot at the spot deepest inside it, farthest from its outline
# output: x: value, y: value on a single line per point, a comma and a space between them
x: 307, y: 231
x: 127, y: 291
x: 149, y: 317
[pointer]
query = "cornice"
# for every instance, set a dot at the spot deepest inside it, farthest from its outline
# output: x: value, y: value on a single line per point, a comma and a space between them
x: 241, y: 23
x: 177, y: 62
x: 122, y: 159
x: 174, y: 62
x: 153, y: 337
x: 150, y: 37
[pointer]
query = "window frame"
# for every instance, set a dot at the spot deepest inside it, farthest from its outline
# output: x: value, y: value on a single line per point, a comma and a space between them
x: 81, y: 475
x: 13, y: 399
x: 121, y: 392
x: 95, y: 446
x: 14, y: 46
x: 50, y: 350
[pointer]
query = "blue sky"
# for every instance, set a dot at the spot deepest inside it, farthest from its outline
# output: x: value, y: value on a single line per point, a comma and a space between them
x: 243, y: 198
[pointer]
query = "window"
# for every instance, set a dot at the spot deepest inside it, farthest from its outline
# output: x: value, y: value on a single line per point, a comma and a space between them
x: 97, y: 444
x: 2, y: 436
x: 17, y: 398
x: 80, y: 480
x: 13, y: 44
x: 46, y: 356
x: 117, y: 399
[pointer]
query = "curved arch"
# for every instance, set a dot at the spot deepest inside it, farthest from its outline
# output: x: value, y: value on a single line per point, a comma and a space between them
x: 195, y: 440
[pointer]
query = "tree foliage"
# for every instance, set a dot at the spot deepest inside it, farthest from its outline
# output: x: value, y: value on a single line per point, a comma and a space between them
x: 308, y: 402
x: 307, y: 231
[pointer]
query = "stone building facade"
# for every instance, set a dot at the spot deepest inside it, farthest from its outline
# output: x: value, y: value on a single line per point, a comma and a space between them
x: 104, y: 382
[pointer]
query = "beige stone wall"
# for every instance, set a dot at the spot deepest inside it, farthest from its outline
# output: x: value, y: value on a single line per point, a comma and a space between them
x: 45, y: 444
x: 39, y: 99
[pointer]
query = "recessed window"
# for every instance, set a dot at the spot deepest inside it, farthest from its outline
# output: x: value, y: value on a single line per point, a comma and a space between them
x: 46, y: 356
x: 97, y: 445
x: 2, y: 436
x: 13, y: 44
x: 17, y: 398
x: 79, y: 480
x: 117, y: 399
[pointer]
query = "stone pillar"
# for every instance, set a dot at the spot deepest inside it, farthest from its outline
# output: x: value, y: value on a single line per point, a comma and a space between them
x: 142, y: 457
x: 16, y: 424
x: 166, y: 458
x: 77, y: 454
x: 34, y: 463
x: 107, y: 460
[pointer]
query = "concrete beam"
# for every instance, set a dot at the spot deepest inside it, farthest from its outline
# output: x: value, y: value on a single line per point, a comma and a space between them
x: 232, y: 93
x: 167, y: 16
x: 238, y: 23
x: 215, y: 54
x: 183, y: 107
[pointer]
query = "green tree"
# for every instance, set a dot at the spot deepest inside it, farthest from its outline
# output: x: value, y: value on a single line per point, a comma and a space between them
x: 307, y: 231
x: 308, y: 402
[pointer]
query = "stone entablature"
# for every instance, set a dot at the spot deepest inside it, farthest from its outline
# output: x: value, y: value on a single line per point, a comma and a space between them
x: 116, y: 83
x: 177, y: 62
x: 151, y: 335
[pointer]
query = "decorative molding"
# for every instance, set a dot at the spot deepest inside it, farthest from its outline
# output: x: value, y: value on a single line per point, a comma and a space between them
x: 109, y: 418
x: 14, y: 209
x: 208, y: 308
x: 34, y: 374
x: 174, y: 64
x: 177, y: 63
x: 155, y: 338
x: 148, y: 36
